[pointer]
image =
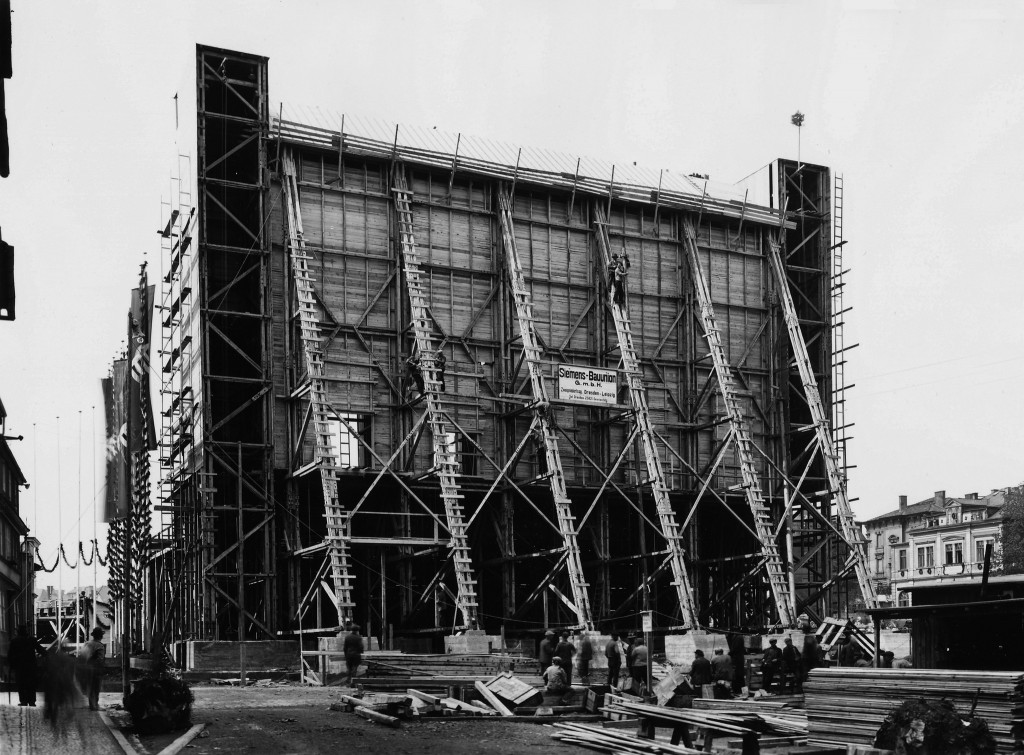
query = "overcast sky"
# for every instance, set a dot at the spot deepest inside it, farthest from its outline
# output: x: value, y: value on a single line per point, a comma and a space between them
x: 919, y: 105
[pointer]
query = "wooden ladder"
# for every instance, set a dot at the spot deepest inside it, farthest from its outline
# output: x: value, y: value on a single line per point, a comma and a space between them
x: 445, y: 462
x: 778, y: 577
x: 541, y: 406
x: 337, y: 519
x: 822, y: 431
x: 655, y: 473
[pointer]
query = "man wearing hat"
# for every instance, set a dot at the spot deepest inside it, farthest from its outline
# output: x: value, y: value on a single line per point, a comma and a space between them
x: 91, y: 658
x: 546, y: 649
x: 770, y: 664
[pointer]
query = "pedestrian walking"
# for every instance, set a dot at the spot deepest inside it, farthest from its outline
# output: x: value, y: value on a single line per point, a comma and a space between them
x: 700, y: 671
x: 546, y: 649
x: 22, y: 657
x: 91, y: 667
x: 353, y: 649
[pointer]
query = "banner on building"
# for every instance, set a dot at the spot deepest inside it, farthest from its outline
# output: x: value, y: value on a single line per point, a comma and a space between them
x: 116, y: 469
x: 587, y: 385
x: 141, y: 426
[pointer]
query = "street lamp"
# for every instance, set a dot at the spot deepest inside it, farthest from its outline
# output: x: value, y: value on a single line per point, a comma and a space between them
x: 797, y: 119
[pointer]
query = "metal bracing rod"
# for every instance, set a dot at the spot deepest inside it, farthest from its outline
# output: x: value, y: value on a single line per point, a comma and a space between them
x: 778, y: 580
x: 431, y: 369
x: 336, y: 517
x: 670, y: 528
x: 836, y: 480
x: 533, y: 354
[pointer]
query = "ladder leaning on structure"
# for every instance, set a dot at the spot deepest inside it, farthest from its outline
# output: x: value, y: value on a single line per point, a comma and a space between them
x: 336, y: 517
x: 655, y: 473
x: 445, y: 463
x: 836, y: 479
x: 541, y: 405
x: 778, y: 579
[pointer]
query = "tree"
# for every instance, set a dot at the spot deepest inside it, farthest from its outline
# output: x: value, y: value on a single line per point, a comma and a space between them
x: 1011, y: 534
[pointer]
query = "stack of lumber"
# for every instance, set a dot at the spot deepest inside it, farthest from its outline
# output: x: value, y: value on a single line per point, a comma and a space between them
x: 386, y: 669
x: 727, y: 721
x: 848, y: 705
x: 782, y: 718
x: 611, y: 740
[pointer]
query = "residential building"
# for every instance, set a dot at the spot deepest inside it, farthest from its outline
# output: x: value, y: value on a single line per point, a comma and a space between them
x: 16, y: 569
x: 935, y: 549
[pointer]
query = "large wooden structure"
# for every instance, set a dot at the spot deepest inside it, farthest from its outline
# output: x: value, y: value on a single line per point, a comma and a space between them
x: 377, y: 317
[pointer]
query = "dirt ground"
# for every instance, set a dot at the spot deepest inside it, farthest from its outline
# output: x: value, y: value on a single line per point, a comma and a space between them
x: 294, y: 719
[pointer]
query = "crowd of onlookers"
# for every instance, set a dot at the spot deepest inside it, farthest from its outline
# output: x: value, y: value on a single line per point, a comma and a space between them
x: 724, y: 674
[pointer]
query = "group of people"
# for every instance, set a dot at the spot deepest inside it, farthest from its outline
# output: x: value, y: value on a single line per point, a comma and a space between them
x: 556, y: 655
x: 61, y: 674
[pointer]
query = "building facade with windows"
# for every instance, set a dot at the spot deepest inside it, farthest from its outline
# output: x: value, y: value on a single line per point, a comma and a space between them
x: 16, y: 570
x: 936, y: 545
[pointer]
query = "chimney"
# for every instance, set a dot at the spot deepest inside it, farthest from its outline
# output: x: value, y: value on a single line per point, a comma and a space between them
x: 972, y: 496
x: 940, y: 498
x: 903, y: 503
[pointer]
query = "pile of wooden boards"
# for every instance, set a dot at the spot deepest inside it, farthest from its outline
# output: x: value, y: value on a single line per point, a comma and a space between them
x: 719, y: 719
x: 848, y: 705
x: 392, y: 670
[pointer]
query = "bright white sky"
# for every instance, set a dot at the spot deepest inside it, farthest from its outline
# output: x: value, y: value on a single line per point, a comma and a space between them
x: 919, y: 105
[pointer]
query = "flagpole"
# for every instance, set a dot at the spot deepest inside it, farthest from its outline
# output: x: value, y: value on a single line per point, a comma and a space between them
x: 78, y: 561
x: 60, y: 538
x: 95, y: 516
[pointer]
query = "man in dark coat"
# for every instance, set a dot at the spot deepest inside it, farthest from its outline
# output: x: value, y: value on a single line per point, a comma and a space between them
x: 700, y: 671
x: 791, y: 666
x: 22, y: 656
x: 737, y: 652
x: 566, y: 650
x: 770, y: 663
x: 613, y: 652
x: 353, y: 649
x: 721, y: 673
x: 811, y: 655
x: 546, y: 649
x: 847, y: 654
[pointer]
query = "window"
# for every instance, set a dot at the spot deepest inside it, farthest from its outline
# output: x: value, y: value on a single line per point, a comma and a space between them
x: 903, y: 599
x: 955, y: 552
x: 925, y: 556
x: 903, y: 559
x: 878, y: 565
x: 933, y: 522
x: 467, y: 452
x: 979, y: 548
x: 878, y: 540
x: 351, y: 454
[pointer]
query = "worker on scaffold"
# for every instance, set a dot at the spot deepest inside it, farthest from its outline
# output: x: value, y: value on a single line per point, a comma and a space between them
x: 617, y: 272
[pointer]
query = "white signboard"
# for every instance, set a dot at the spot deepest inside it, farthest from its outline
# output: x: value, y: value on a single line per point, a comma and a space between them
x: 647, y: 617
x: 587, y: 384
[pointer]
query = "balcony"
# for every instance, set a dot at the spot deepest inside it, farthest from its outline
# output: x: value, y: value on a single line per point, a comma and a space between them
x: 969, y: 569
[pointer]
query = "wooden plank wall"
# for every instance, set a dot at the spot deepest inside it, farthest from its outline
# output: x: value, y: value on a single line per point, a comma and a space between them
x: 347, y: 226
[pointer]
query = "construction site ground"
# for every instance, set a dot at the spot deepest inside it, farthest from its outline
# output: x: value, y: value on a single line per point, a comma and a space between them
x: 295, y: 719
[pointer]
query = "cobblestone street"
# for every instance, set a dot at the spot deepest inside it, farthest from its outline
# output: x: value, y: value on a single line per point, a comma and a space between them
x: 24, y: 731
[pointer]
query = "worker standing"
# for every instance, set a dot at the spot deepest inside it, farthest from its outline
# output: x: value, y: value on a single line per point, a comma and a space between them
x: 546, y: 650
x: 791, y: 666
x: 613, y: 652
x: 586, y: 654
x: 770, y: 662
x: 700, y: 671
x: 566, y: 650
x: 639, y: 657
x: 721, y: 674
